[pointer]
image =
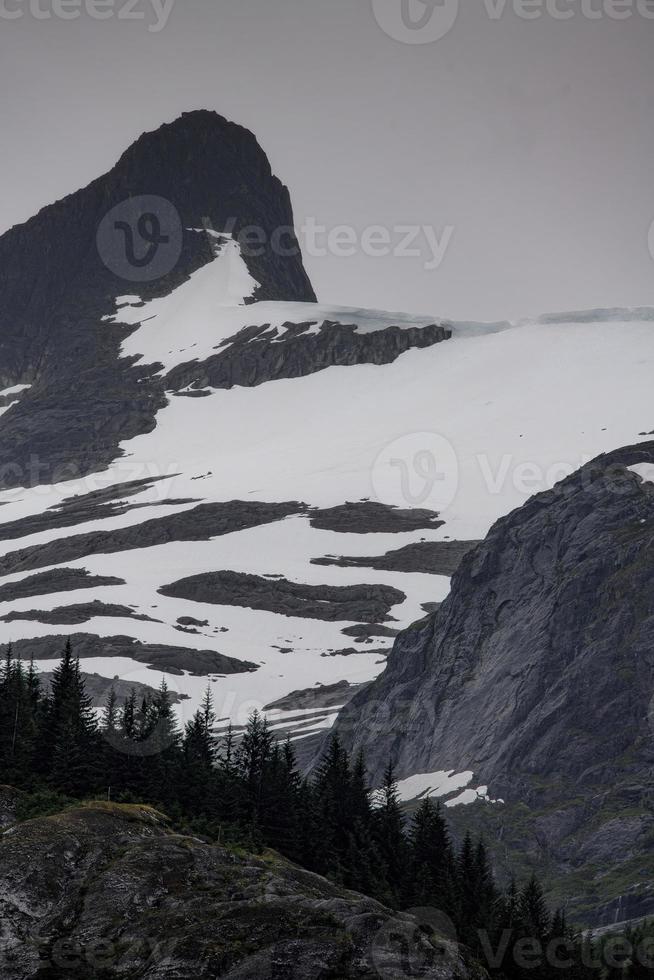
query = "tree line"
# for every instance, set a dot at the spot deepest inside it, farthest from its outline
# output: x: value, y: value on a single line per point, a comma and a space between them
x: 247, y: 790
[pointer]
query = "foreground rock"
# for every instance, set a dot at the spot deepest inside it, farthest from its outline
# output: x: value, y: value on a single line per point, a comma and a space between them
x: 109, y: 891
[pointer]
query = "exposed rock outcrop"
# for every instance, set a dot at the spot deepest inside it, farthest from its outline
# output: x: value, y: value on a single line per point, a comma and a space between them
x: 199, y: 524
x: 75, y: 614
x: 53, y: 581
x: 370, y: 517
x: 370, y: 603
x: 321, y: 696
x: 537, y: 674
x: 429, y: 557
x: 56, y: 290
x: 108, y: 891
x: 255, y: 356
x: 97, y: 505
x: 158, y: 656
x: 98, y: 688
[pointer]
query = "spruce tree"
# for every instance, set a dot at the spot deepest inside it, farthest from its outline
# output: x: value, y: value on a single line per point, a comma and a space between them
x: 68, y: 738
x: 535, y: 918
x: 388, y: 828
x: 330, y: 804
x: 431, y: 862
x: 253, y: 757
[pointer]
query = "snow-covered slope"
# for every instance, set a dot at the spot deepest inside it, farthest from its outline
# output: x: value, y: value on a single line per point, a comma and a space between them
x: 468, y: 428
x: 213, y: 477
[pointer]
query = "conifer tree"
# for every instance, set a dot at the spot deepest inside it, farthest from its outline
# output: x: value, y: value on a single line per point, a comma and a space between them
x: 68, y: 737
x: 252, y: 793
x: 535, y: 918
x: 110, y: 718
x: 253, y: 757
x: 199, y: 752
x: 128, y: 717
x: 330, y: 803
x: 431, y: 862
x: 388, y: 826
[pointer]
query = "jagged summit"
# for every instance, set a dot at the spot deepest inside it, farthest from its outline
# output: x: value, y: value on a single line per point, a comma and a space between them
x: 62, y: 272
x: 188, y: 133
x: 210, y: 167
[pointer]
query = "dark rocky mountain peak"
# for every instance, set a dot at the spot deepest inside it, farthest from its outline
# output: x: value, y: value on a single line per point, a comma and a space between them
x: 139, y: 229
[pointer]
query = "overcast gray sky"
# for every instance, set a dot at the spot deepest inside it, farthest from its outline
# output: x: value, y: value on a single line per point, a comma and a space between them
x: 525, y: 145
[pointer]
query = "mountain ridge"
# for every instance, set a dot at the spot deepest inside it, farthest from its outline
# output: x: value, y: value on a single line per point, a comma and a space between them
x: 536, y: 678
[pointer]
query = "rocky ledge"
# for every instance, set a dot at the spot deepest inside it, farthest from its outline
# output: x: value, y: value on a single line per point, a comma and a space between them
x: 109, y: 891
x: 157, y: 656
x: 331, y: 603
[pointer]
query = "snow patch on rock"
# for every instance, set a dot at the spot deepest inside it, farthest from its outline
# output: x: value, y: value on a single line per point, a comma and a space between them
x: 644, y: 470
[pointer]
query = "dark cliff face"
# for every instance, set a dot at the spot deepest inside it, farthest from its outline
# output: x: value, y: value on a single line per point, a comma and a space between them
x: 55, y: 289
x: 109, y: 891
x: 537, y: 673
x: 256, y: 355
x: 142, y: 230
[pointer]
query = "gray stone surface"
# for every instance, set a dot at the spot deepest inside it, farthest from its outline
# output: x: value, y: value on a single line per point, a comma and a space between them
x: 98, y: 688
x: 75, y: 614
x: 108, y: 891
x: 371, y: 603
x: 168, y: 659
x: 53, y: 581
x: 95, y: 506
x: 321, y: 696
x: 430, y: 557
x: 84, y: 399
x: 255, y: 355
x: 369, y: 517
x: 537, y: 674
x: 199, y: 524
